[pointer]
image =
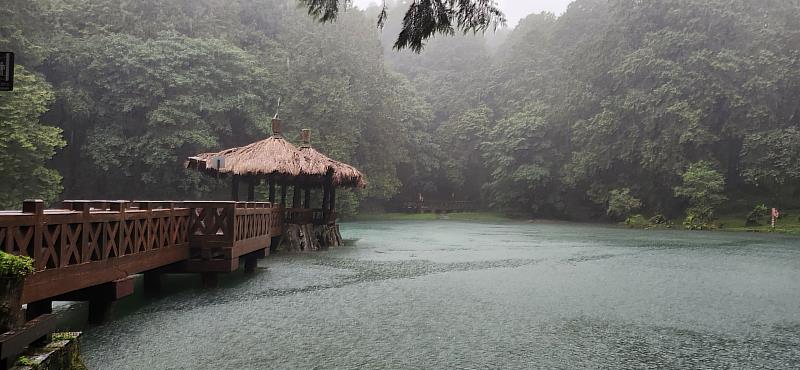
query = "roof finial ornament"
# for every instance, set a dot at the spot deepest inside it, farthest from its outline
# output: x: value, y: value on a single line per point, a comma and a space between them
x: 276, y: 122
x: 305, y: 136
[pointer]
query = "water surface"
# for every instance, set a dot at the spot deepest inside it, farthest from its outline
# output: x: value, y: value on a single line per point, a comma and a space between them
x: 444, y: 294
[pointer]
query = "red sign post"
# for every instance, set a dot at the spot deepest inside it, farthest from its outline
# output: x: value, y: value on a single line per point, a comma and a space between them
x: 775, y: 215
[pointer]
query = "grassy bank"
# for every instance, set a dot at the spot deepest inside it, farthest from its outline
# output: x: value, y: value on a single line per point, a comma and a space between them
x: 788, y: 224
x: 467, y: 216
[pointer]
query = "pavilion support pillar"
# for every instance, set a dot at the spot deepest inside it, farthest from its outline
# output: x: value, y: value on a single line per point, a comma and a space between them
x: 235, y: 188
x: 271, y: 191
x: 332, y: 212
x: 326, y: 193
x: 296, y: 193
x: 307, y: 203
x: 283, y: 195
x: 251, y: 189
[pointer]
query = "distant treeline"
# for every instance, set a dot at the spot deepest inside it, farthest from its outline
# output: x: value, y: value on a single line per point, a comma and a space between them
x: 617, y: 106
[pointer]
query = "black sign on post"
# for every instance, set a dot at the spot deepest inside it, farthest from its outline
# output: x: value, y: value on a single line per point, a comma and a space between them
x: 6, y: 71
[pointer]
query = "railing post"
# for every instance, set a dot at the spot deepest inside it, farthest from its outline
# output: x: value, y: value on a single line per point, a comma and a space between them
x: 119, y: 206
x: 230, y: 213
x: 84, y: 207
x: 35, y: 206
x: 166, y: 229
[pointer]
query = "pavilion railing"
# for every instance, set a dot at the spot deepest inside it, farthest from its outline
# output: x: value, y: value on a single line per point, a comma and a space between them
x: 255, y: 220
x: 304, y: 216
x: 299, y: 216
x: 229, y: 229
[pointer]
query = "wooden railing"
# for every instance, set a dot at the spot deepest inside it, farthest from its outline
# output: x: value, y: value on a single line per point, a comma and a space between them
x: 220, y: 232
x: 89, y: 242
x: 303, y: 216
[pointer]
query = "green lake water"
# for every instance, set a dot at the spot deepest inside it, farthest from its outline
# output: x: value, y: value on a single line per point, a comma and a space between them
x: 445, y: 294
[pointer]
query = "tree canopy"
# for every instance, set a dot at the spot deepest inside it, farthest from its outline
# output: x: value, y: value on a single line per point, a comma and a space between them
x: 610, y: 108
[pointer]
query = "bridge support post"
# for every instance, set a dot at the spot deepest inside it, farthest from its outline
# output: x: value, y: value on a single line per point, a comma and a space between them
x: 250, y: 263
x: 274, y: 243
x: 99, y: 310
x: 38, y: 308
x: 152, y: 283
x: 210, y: 279
x: 102, y: 297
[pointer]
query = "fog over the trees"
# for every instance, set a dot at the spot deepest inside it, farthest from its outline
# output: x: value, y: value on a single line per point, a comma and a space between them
x: 610, y: 109
x: 513, y: 9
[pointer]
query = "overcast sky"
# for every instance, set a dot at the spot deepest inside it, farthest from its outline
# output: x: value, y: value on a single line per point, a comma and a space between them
x: 514, y: 9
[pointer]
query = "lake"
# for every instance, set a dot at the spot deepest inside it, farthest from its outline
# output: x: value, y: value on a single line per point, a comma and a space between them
x: 446, y: 294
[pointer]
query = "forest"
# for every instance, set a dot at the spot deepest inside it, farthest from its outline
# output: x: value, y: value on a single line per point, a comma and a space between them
x: 674, y: 107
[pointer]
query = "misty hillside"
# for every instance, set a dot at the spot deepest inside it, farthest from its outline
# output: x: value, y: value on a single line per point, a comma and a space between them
x: 613, y: 107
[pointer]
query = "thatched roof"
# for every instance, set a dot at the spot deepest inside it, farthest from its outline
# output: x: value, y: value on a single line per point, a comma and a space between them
x: 271, y: 156
x: 274, y: 156
x: 342, y: 174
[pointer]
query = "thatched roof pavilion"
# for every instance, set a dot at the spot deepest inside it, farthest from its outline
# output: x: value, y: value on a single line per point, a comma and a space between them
x: 271, y: 157
x: 279, y: 162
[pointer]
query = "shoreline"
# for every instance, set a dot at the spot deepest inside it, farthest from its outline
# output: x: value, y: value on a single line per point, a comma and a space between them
x: 728, y: 223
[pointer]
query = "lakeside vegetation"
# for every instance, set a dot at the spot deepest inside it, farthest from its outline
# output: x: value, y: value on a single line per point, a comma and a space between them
x: 788, y: 224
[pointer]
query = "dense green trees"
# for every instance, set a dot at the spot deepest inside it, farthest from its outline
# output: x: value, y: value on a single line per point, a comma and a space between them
x: 620, y: 97
x: 139, y: 85
x: 703, y: 186
x: 26, y: 143
x: 613, y: 107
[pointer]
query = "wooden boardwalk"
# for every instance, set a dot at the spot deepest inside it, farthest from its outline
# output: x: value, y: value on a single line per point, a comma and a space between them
x: 89, y: 250
x: 88, y: 243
